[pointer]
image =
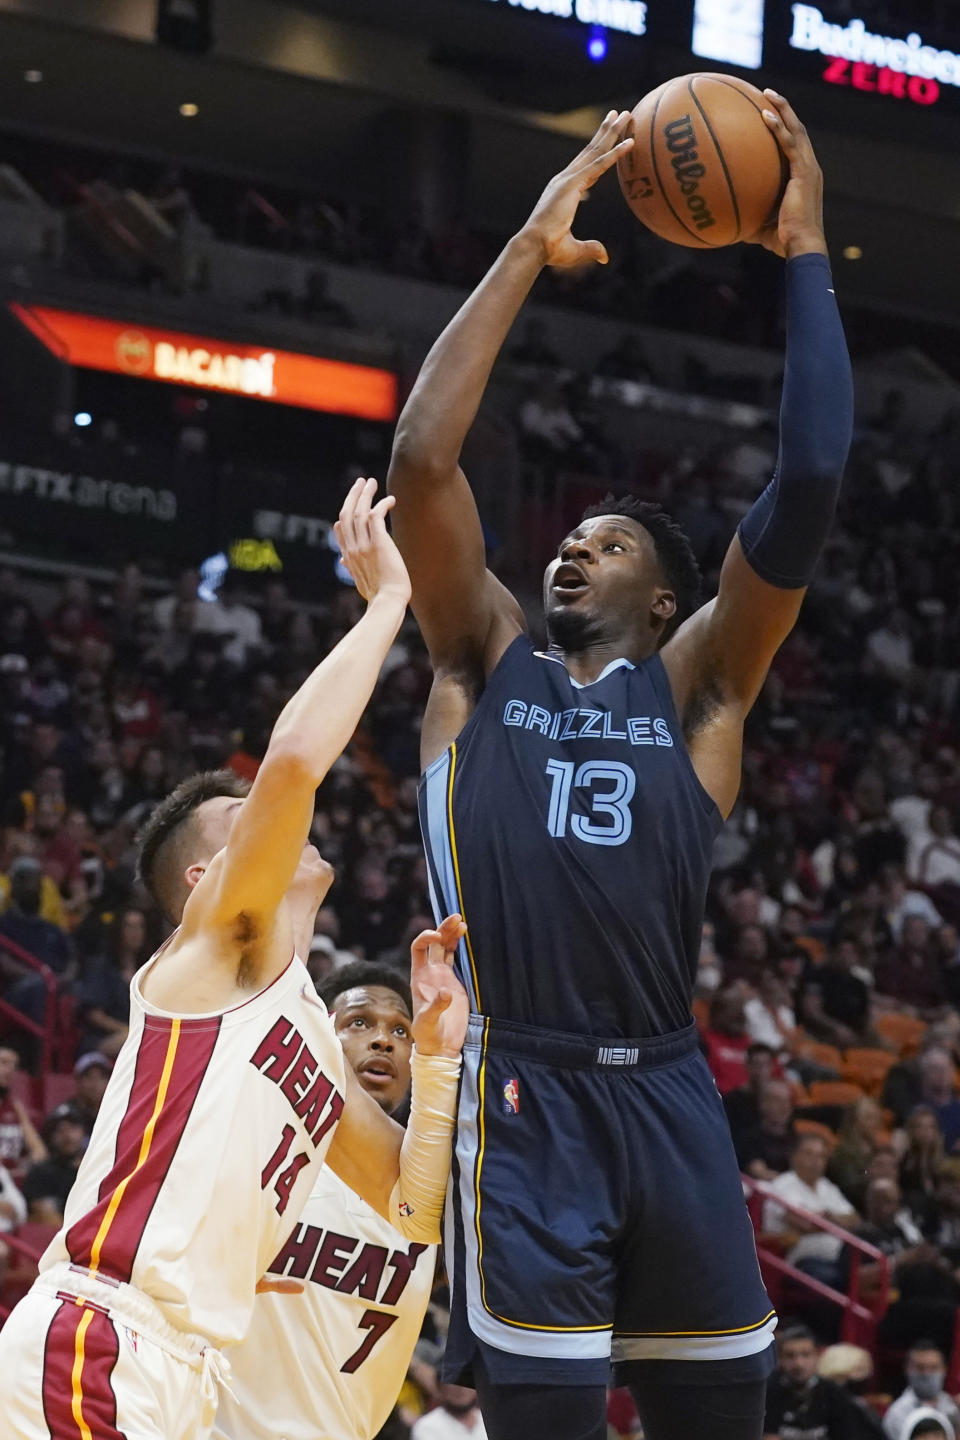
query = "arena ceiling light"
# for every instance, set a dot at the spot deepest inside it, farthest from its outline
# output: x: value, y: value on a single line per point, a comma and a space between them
x: 188, y: 109
x: 33, y: 77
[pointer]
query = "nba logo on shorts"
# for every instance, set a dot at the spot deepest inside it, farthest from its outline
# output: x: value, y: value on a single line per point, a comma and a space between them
x: 511, y: 1097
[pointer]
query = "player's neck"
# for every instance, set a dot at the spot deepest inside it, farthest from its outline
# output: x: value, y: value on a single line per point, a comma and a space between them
x: 587, y: 664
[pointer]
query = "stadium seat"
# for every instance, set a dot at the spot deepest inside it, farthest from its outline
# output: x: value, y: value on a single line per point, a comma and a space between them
x: 867, y: 1068
x: 904, y: 1032
x: 834, y: 1092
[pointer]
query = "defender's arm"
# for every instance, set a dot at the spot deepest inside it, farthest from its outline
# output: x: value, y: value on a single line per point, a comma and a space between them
x: 242, y: 888
x: 462, y: 611
x: 731, y: 642
x: 403, y: 1174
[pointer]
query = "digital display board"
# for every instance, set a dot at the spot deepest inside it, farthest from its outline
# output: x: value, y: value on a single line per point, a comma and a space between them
x: 730, y: 31
x: 147, y: 353
x: 629, y: 17
x: 826, y: 42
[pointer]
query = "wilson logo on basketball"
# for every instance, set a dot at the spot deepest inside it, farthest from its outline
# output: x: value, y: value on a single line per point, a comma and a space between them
x: 681, y: 141
x: 134, y: 352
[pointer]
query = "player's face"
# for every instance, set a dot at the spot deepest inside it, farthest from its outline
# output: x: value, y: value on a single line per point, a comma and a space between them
x: 373, y: 1024
x: 606, y: 569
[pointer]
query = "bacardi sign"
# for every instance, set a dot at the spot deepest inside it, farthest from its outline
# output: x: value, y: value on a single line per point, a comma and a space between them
x: 147, y: 353
x: 902, y: 68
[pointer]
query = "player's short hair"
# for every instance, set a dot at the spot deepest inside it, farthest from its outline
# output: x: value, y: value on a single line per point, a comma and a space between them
x: 364, y: 972
x: 673, y: 550
x: 167, y: 838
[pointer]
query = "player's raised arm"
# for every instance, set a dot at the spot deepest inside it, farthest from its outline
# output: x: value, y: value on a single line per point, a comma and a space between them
x: 245, y: 883
x: 772, y: 558
x: 403, y: 1174
x: 436, y: 524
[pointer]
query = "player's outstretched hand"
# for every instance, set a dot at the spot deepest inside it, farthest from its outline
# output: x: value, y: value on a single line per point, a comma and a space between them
x: 366, y: 548
x: 798, y: 229
x: 556, y: 210
x: 440, y: 1006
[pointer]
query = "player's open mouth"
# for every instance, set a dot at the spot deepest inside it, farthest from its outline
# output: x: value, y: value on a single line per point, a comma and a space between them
x: 569, y: 580
x: 380, y: 1071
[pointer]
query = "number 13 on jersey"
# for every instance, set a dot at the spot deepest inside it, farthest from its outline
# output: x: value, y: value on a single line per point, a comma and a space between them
x: 611, y: 786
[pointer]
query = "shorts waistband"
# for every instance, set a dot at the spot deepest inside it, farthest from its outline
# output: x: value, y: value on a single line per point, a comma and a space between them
x: 130, y: 1306
x: 580, y: 1052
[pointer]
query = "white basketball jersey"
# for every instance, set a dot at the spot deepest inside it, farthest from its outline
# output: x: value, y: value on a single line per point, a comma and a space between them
x: 329, y: 1364
x: 205, y: 1150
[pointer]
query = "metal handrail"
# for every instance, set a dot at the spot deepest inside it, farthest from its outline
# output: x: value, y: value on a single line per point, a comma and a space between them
x: 860, y: 1317
x: 45, y: 1033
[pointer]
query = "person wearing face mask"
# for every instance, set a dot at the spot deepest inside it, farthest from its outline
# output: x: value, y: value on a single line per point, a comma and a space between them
x: 926, y: 1372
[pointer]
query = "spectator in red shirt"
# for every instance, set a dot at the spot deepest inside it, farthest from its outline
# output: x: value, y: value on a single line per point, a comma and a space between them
x: 726, y: 1041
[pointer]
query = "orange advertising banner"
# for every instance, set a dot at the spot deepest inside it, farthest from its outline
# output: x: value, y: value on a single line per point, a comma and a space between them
x: 146, y: 353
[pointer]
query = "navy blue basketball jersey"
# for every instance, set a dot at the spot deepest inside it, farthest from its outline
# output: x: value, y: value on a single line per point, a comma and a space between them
x: 568, y: 827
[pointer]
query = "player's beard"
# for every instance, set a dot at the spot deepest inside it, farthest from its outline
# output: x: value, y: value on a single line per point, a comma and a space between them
x: 573, y: 630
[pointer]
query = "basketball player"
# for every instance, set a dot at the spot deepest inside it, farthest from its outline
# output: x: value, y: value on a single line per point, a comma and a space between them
x: 231, y: 1088
x: 328, y: 1364
x: 569, y: 805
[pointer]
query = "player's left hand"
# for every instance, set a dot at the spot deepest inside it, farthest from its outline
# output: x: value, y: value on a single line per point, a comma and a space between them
x: 440, y: 1006
x: 798, y: 229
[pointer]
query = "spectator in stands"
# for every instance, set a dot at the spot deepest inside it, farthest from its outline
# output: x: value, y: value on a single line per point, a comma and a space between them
x: 834, y: 1001
x: 742, y: 1104
x: 921, y: 1160
x: 535, y: 347
x: 90, y: 1076
x: 926, y: 1424
x: 230, y: 617
x: 925, y: 1290
x: 726, y: 1041
x: 13, y: 1212
x: 939, y: 862
x: 21, y: 922
x: 20, y: 1144
x: 456, y: 1417
x: 319, y: 305
x: 764, y: 1150
x: 899, y: 901
x: 802, y: 1406
x: 859, y: 1136
x: 938, y: 1090
x: 910, y: 974
x: 547, y: 425
x: 941, y: 1216
x: 805, y: 1185
x: 48, y: 1184
x: 104, y: 991
x: 925, y: 1372
x: 769, y: 1014
x: 626, y: 361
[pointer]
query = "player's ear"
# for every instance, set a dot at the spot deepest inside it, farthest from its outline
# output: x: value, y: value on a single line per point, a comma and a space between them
x: 664, y: 605
x: 194, y: 874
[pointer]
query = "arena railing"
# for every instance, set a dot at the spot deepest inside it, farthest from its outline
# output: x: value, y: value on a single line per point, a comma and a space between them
x: 860, y: 1317
x: 46, y: 1034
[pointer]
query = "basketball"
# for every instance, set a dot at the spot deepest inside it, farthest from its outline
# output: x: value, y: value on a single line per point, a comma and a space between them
x: 704, y: 170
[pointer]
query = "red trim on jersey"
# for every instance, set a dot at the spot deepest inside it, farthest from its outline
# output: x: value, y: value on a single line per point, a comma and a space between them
x: 79, y: 1356
x: 107, y: 1238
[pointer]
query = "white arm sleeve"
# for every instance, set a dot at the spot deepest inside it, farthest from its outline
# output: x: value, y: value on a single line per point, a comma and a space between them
x: 416, y: 1202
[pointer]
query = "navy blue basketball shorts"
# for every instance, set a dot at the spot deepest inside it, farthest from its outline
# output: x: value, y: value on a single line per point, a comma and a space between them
x: 595, y: 1210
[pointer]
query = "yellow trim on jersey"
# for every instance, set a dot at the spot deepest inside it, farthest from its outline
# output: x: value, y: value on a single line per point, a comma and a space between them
x: 145, y: 1144
x: 456, y: 870
x: 76, y: 1401
x: 481, y: 1140
x: 694, y: 1334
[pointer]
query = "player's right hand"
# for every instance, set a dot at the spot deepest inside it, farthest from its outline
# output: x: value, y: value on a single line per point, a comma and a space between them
x: 441, y: 1009
x: 549, y: 225
x: 798, y: 227
x: 366, y: 548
